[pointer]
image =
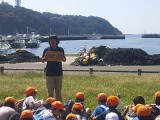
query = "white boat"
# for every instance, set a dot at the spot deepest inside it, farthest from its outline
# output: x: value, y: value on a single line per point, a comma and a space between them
x: 34, y: 42
x: 18, y: 43
x: 94, y: 37
x: 4, y: 47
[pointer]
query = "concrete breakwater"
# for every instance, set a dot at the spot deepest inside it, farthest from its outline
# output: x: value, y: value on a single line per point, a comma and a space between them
x: 62, y: 38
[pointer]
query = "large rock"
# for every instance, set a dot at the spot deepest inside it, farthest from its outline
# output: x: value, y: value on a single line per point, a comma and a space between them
x: 20, y: 56
x: 123, y: 56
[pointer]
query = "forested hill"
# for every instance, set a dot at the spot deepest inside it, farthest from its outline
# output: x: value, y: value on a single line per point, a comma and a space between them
x: 17, y: 19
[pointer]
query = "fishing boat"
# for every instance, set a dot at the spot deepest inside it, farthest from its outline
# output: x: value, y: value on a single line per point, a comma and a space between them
x: 94, y: 36
x: 18, y: 43
x: 34, y: 42
x: 4, y: 47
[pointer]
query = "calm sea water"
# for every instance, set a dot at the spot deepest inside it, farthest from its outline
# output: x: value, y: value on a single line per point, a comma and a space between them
x: 149, y: 45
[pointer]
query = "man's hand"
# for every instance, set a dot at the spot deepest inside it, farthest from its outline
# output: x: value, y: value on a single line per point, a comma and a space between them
x: 44, y: 58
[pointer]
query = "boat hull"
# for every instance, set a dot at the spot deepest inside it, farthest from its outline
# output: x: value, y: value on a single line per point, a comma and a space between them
x: 17, y: 45
x: 32, y: 45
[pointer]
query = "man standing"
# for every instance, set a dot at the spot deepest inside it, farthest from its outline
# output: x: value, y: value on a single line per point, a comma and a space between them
x: 54, y: 55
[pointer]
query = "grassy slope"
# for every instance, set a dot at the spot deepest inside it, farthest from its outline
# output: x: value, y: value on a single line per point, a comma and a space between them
x: 128, y: 86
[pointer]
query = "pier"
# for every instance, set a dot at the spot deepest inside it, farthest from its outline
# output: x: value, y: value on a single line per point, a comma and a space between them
x: 63, y: 38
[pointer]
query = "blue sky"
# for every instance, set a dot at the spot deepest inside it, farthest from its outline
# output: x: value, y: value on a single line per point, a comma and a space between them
x: 129, y: 16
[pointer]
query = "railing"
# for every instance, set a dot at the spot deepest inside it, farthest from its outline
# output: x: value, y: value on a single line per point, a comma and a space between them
x: 90, y: 70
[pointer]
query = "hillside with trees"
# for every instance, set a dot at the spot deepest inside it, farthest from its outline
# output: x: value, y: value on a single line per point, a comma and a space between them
x: 18, y: 19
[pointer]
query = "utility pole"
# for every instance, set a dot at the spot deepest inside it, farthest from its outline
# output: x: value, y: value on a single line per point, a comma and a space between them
x: 50, y: 31
x: 27, y: 31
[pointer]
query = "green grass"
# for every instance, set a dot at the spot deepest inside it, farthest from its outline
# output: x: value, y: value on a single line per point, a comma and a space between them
x: 128, y: 86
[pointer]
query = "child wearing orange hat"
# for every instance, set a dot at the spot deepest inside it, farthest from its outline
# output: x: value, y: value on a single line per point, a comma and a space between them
x: 112, y: 102
x: 144, y: 113
x: 78, y: 110
x: 78, y: 98
x: 102, y: 107
x: 30, y: 102
x: 26, y: 115
x: 57, y: 109
x: 129, y: 111
x: 156, y: 106
x: 48, y: 102
x: 71, y: 116
x: 7, y: 109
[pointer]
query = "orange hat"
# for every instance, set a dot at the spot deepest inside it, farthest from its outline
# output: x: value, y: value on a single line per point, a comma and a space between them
x: 79, y: 95
x: 30, y: 90
x: 136, y: 107
x: 157, y: 94
x: 77, y: 106
x: 26, y: 114
x: 58, y: 105
x: 143, y: 110
x: 9, y: 99
x: 102, y: 96
x: 71, y: 116
x: 50, y: 100
x: 112, y: 101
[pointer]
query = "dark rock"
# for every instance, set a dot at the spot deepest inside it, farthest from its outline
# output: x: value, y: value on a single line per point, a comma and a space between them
x: 4, y: 57
x: 21, y: 56
x: 123, y: 56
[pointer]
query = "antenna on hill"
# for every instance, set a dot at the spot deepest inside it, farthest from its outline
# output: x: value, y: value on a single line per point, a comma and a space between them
x: 18, y: 3
x: 2, y: 1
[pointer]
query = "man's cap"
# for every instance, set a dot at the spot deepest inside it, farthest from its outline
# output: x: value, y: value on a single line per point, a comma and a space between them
x: 143, y: 110
x: 111, y: 116
x: 112, y: 101
x: 157, y: 94
x: 50, y: 100
x: 102, y: 96
x: 30, y: 90
x: 79, y: 95
x: 77, y: 106
x: 58, y: 105
x: 71, y: 116
x: 9, y: 99
x: 26, y: 114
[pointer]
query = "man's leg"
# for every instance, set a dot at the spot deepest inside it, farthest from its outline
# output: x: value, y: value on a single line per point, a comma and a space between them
x: 58, y: 87
x: 50, y: 85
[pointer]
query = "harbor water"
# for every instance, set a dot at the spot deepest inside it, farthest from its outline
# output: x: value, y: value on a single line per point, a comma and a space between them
x: 149, y: 45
